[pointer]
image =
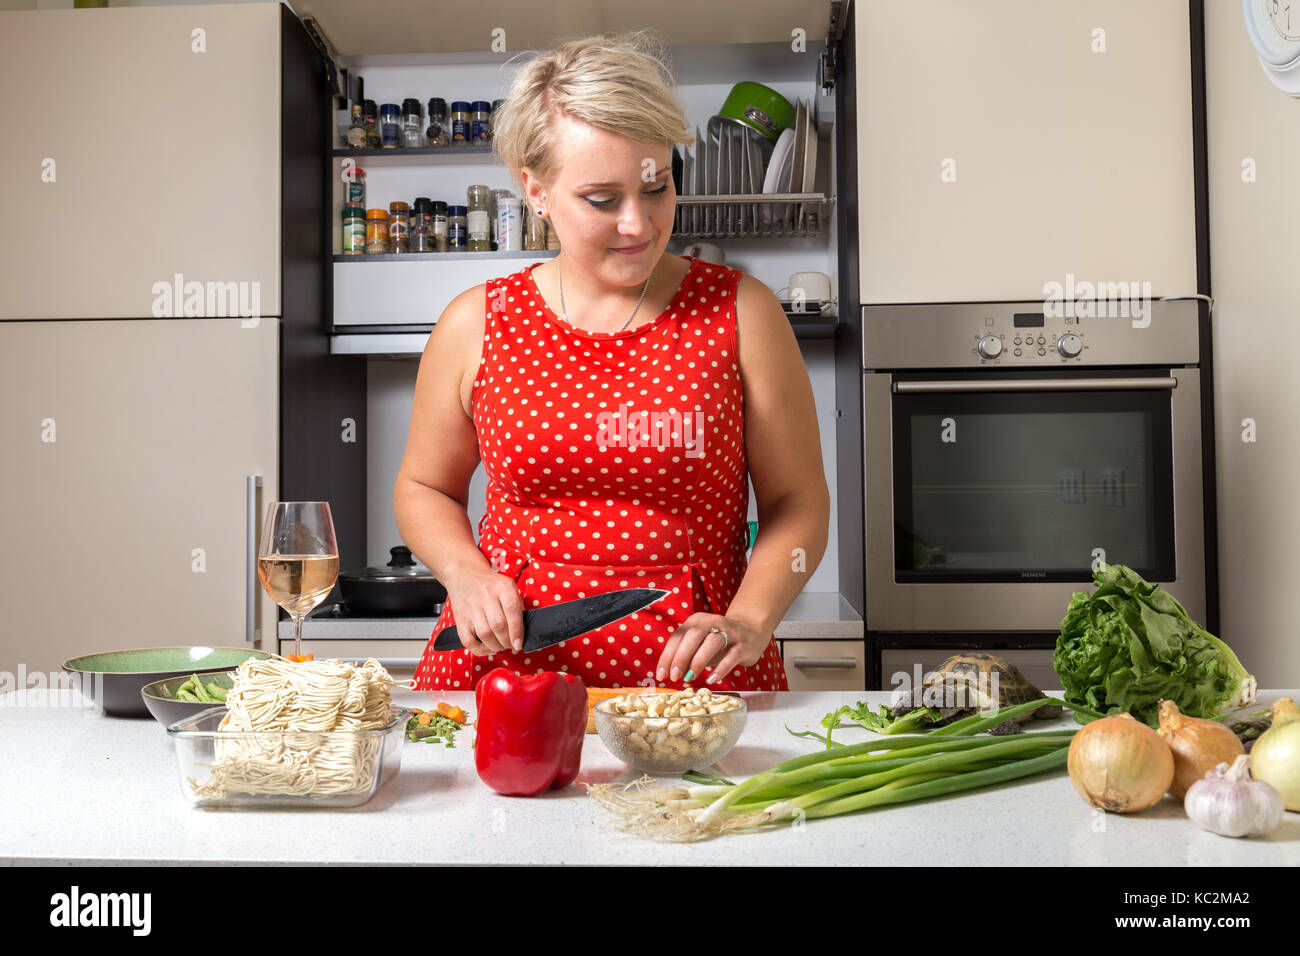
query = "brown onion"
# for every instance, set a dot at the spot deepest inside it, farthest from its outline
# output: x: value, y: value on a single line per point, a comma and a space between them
x: 1120, y: 764
x: 1198, y: 746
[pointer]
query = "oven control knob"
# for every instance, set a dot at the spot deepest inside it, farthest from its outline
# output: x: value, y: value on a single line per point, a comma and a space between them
x: 990, y: 346
x: 1069, y: 345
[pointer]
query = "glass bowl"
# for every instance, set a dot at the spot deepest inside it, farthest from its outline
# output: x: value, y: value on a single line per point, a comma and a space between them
x: 669, y: 744
x: 342, y: 768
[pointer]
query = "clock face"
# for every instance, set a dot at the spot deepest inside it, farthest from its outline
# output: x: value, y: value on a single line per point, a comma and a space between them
x: 1284, y: 16
x: 1274, y: 29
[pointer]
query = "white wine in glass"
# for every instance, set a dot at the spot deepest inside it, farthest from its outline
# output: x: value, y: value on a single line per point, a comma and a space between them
x: 298, y: 561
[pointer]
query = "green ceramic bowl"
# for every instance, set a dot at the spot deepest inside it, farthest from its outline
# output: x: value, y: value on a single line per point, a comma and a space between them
x: 114, y: 679
x: 160, y: 696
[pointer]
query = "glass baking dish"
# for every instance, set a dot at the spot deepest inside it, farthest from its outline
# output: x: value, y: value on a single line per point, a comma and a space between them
x: 285, y: 769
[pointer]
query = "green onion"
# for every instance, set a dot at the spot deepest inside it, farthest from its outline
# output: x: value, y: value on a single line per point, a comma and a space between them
x: 848, y: 778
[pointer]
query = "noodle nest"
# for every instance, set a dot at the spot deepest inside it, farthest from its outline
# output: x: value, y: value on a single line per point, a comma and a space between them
x: 294, y: 712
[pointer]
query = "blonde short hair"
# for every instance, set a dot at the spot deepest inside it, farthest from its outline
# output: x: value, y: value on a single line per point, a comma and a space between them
x: 618, y: 83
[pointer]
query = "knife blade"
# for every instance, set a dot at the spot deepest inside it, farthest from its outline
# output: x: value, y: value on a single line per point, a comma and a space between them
x: 544, y: 626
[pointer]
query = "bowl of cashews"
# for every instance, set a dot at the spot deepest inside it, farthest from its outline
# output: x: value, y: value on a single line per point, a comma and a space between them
x: 671, y: 732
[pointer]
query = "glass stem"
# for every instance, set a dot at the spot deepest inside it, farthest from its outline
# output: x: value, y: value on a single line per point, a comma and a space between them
x: 297, y: 634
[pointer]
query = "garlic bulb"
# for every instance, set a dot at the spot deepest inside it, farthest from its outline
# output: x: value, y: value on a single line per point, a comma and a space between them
x: 1226, y: 801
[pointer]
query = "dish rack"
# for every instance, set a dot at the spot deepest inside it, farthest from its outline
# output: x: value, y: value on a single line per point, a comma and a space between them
x: 751, y: 216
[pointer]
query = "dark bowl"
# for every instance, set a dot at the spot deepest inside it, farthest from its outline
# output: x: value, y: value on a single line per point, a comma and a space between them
x: 160, y: 696
x: 114, y: 679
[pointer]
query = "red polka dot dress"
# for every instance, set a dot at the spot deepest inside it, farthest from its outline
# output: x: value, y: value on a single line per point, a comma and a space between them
x: 614, y: 460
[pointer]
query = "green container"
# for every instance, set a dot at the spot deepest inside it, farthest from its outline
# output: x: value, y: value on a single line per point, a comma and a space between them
x: 759, y: 107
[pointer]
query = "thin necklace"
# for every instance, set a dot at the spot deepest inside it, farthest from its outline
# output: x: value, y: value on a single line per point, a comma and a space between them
x: 565, y: 316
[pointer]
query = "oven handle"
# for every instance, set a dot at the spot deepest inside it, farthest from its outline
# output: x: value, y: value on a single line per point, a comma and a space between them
x: 1038, y: 385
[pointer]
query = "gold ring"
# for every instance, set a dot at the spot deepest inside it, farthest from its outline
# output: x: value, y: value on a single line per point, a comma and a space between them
x: 726, y: 641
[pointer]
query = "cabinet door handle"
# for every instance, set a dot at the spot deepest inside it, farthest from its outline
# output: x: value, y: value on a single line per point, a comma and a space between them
x: 836, y: 663
x: 253, y: 482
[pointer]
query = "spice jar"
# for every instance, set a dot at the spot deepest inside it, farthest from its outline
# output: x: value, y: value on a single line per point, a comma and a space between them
x: 456, y: 229
x: 494, y: 213
x: 399, y: 226
x: 439, y: 226
x: 357, y: 135
x: 460, y: 123
x: 376, y: 231
x: 510, y: 223
x: 354, y: 230
x: 439, y: 131
x: 422, y: 225
x: 390, y: 126
x: 354, y: 187
x: 492, y: 119
x: 412, y: 122
x: 480, y: 135
x: 371, y: 113
x: 478, y: 218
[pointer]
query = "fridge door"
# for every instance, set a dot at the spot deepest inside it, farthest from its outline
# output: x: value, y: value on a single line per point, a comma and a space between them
x: 147, y: 147
x: 123, y: 497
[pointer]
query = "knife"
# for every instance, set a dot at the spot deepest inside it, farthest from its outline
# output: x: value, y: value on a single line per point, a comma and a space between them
x: 544, y: 626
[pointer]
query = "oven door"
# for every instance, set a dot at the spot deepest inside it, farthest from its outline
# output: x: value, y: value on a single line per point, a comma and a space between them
x: 990, y: 495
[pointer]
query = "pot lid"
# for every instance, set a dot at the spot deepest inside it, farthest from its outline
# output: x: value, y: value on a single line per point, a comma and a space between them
x: 401, y: 567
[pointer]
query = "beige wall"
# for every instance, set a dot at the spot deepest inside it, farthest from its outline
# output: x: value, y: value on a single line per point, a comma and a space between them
x: 1255, y: 261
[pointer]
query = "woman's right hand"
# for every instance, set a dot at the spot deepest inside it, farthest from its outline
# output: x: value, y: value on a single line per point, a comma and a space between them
x: 489, y: 612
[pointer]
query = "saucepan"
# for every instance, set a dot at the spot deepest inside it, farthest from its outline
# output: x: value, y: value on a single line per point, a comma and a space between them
x: 403, y: 587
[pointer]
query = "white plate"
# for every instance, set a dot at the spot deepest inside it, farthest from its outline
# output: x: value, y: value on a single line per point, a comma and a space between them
x: 701, y: 175
x: 800, y: 148
x: 810, y: 156
x: 777, y: 179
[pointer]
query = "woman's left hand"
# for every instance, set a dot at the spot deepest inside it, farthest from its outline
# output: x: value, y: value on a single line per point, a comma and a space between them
x: 692, y: 647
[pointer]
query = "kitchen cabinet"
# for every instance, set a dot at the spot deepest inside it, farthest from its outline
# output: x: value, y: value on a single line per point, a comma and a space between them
x: 135, y: 436
x: 124, y: 495
x: 1002, y: 146
x: 140, y: 157
x: 825, y: 665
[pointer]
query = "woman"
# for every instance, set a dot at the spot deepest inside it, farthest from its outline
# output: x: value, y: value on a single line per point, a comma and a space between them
x: 617, y: 394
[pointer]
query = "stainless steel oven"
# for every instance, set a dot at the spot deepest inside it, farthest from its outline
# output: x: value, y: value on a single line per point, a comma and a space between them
x: 1008, y: 450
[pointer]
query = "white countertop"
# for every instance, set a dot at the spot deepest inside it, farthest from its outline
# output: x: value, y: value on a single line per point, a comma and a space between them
x: 80, y: 788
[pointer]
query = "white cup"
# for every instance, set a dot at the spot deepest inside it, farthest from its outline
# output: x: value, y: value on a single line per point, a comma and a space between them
x: 815, y: 286
x: 805, y: 288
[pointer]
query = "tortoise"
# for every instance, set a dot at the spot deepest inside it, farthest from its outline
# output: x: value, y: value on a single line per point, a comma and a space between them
x: 964, y: 684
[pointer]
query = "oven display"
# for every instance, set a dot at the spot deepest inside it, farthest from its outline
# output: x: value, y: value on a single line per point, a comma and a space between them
x: 1029, y: 486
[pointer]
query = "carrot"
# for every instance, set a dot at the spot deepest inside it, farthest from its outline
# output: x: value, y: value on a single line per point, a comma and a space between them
x: 423, y: 720
x: 451, y: 713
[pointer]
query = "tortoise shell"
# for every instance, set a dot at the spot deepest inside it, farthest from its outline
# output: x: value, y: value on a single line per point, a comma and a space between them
x: 965, y: 683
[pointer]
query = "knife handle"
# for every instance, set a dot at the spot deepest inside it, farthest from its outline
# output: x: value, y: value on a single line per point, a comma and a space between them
x: 449, y: 639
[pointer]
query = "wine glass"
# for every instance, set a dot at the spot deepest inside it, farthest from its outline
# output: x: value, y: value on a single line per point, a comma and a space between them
x: 298, y: 561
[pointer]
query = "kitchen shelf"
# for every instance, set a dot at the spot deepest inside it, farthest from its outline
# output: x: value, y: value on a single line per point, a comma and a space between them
x: 444, y: 256
x: 418, y: 155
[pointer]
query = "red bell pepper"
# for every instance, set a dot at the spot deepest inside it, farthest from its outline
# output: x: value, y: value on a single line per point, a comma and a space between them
x: 530, y: 731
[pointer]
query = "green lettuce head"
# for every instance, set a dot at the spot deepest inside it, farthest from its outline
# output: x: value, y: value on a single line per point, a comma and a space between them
x: 1129, y: 645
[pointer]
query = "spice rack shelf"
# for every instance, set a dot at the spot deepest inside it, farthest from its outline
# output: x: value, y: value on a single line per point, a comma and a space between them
x: 418, y: 155
x: 445, y: 256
